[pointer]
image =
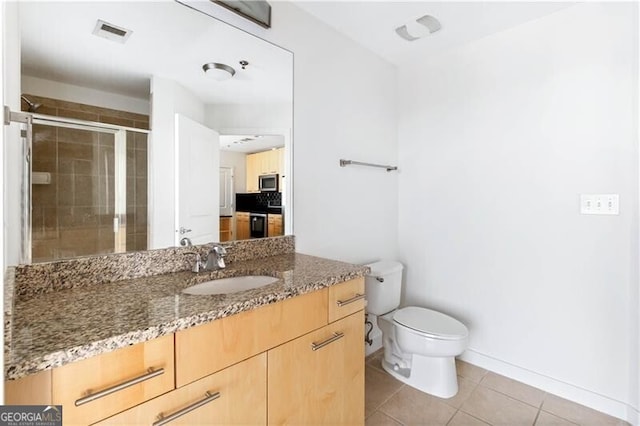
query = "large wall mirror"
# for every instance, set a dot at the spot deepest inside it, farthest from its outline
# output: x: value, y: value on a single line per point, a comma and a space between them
x: 154, y: 125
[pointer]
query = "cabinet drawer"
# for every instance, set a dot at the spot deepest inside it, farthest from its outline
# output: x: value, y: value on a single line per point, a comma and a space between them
x: 318, y: 378
x: 346, y: 298
x: 29, y: 390
x: 151, y: 362
x: 208, y: 348
x: 236, y: 395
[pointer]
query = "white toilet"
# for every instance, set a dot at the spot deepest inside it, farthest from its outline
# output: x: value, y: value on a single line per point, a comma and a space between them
x: 420, y: 345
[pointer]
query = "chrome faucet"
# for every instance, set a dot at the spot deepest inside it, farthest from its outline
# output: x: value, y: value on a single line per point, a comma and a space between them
x: 215, y: 259
x: 199, y: 265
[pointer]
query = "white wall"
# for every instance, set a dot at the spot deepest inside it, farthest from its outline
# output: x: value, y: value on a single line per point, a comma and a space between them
x: 12, y: 145
x: 344, y: 107
x: 167, y: 99
x: 6, y: 11
x: 497, y: 140
x: 83, y: 95
x: 238, y: 161
x: 226, y: 116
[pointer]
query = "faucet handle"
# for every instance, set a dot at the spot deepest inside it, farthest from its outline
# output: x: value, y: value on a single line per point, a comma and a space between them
x: 198, y: 264
x: 219, y: 250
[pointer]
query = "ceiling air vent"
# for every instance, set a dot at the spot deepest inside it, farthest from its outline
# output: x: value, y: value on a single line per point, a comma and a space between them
x: 111, y: 32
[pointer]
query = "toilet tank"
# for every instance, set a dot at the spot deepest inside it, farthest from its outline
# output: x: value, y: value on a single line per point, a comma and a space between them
x: 383, y: 286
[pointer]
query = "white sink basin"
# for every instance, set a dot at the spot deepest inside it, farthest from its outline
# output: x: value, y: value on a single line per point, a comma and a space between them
x: 230, y: 285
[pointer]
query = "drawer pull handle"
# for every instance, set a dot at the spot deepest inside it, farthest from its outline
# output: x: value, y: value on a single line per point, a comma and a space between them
x: 208, y: 397
x: 151, y: 373
x: 355, y: 298
x: 336, y: 336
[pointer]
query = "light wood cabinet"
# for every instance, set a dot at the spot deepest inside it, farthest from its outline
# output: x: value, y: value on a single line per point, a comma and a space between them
x: 243, y: 228
x: 263, y: 163
x: 211, y: 347
x: 346, y: 298
x: 30, y: 390
x: 225, y: 229
x: 73, y: 384
x: 319, y: 378
x: 234, y: 396
x: 252, y: 171
x: 274, y: 225
x: 297, y: 361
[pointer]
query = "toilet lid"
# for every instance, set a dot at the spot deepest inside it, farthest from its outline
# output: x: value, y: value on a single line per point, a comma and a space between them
x: 431, y: 323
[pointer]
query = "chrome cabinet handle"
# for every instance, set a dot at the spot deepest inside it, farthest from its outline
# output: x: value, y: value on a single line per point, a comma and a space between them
x: 355, y: 298
x: 336, y: 336
x: 151, y: 373
x: 184, y: 230
x: 208, y: 397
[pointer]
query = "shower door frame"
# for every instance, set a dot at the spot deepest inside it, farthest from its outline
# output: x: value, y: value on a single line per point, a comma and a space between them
x: 120, y: 170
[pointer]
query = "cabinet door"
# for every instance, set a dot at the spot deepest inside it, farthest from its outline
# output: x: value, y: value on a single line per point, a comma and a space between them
x: 225, y: 229
x: 346, y: 298
x: 210, y: 347
x: 274, y: 225
x: 271, y: 162
x: 253, y: 171
x: 30, y: 390
x: 98, y: 387
x: 234, y: 396
x: 319, y: 378
x: 243, y: 230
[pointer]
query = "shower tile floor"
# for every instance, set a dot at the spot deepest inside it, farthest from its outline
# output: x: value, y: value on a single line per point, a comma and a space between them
x: 484, y: 398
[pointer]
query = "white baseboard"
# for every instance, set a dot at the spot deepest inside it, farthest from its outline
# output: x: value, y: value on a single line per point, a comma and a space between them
x: 564, y: 390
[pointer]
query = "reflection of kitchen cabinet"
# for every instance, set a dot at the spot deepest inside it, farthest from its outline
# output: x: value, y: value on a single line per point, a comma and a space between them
x: 318, y: 378
x: 225, y: 229
x: 274, y: 225
x: 264, y: 163
x: 253, y: 171
x: 243, y: 230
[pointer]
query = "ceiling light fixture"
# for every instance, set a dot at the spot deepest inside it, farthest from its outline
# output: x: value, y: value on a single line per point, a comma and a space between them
x: 421, y: 27
x: 218, y: 72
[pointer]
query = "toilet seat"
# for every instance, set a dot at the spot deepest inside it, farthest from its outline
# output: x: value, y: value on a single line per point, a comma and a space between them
x: 433, y: 324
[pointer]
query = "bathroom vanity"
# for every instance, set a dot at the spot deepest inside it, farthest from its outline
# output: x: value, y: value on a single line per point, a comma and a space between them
x: 288, y: 352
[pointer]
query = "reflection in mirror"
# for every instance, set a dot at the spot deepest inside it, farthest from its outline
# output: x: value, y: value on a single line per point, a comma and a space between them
x: 101, y: 181
x: 259, y: 183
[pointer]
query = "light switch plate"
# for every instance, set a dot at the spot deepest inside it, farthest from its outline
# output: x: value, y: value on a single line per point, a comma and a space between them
x: 600, y: 204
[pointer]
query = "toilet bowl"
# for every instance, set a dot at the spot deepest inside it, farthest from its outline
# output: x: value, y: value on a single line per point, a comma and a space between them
x: 420, y: 344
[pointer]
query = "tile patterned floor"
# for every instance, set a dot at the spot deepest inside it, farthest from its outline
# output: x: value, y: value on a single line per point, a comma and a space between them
x: 484, y: 398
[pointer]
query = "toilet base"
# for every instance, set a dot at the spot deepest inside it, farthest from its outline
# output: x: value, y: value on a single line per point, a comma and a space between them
x: 433, y: 375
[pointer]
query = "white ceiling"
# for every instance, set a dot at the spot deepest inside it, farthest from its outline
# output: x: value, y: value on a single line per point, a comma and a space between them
x: 173, y: 41
x: 250, y: 143
x: 372, y: 23
x: 169, y: 40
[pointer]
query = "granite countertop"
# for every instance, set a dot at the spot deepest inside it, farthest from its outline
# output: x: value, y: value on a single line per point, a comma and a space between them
x: 56, y: 328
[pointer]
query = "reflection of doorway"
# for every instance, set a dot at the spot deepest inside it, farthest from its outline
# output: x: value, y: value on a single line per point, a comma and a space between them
x: 197, y: 168
x: 85, y: 194
x: 227, y: 192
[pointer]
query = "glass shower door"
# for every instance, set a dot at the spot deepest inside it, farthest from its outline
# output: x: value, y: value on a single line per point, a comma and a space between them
x: 78, y: 191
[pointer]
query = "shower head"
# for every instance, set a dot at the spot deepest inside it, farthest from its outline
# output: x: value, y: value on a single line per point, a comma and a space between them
x: 32, y: 105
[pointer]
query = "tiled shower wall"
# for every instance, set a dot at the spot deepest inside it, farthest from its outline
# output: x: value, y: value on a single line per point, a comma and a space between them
x: 73, y: 215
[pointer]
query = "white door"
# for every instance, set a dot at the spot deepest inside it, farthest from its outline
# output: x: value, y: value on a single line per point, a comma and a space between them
x: 227, y: 194
x: 197, y: 187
